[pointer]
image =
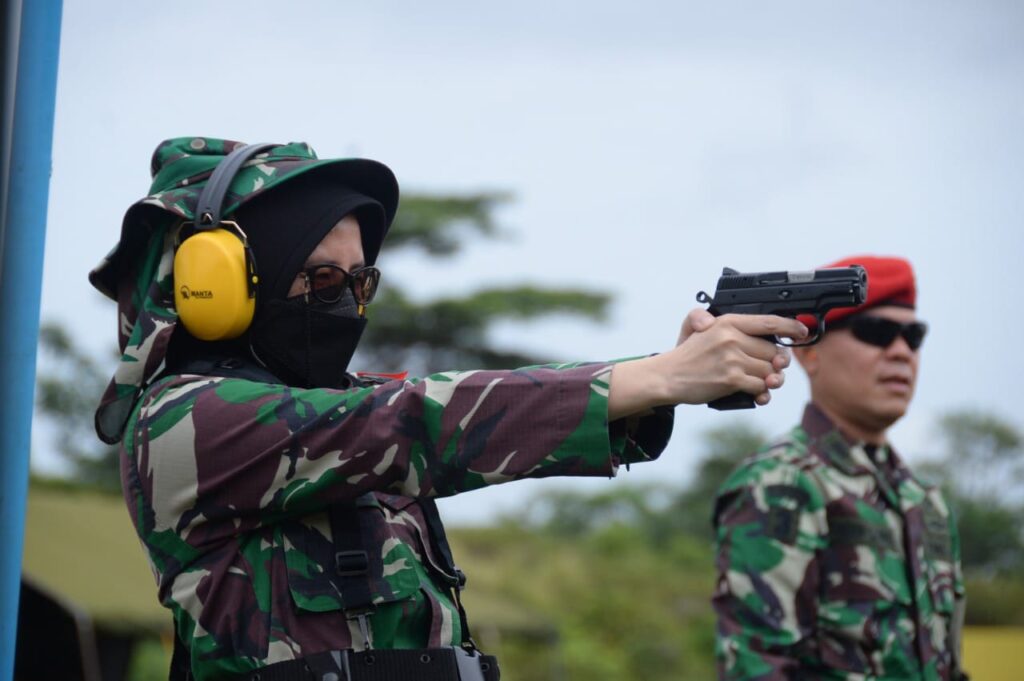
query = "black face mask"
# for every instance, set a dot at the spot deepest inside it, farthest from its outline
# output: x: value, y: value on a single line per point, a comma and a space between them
x: 308, y: 345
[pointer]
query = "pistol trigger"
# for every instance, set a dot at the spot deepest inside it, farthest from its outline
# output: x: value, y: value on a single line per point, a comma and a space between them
x: 703, y: 297
x: 819, y: 330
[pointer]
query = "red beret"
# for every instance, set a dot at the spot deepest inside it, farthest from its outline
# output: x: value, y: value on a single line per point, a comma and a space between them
x: 890, y: 282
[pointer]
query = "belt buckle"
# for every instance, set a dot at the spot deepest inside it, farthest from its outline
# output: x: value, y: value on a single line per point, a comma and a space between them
x: 364, y: 627
x: 468, y: 664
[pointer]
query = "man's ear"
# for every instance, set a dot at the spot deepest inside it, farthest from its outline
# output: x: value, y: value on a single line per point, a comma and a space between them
x: 809, y: 359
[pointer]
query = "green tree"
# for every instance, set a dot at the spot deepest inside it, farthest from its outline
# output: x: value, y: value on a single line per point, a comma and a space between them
x: 985, y: 452
x: 67, y: 390
x: 723, y: 448
x: 656, y: 512
x: 982, y: 466
x: 454, y: 331
x: 571, y: 513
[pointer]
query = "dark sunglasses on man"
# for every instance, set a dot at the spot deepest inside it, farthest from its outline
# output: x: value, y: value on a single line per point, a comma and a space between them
x: 881, y: 332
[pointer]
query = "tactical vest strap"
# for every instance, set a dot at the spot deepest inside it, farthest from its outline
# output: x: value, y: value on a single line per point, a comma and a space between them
x: 439, y: 539
x: 437, y: 534
x: 223, y: 366
x: 352, y: 564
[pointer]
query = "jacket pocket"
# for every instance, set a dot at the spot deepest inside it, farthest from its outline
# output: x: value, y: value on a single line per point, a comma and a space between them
x: 865, y: 596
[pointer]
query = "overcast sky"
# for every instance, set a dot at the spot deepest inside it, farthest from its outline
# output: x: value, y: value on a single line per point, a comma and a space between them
x: 647, y: 145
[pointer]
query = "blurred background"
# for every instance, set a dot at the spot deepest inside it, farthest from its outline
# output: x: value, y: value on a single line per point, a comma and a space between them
x: 572, y: 175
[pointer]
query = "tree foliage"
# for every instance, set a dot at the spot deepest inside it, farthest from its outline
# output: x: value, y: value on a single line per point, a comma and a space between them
x: 432, y: 223
x: 607, y: 605
x: 656, y: 512
x: 982, y: 466
x: 984, y: 454
x: 67, y: 392
x: 723, y: 449
x: 450, y: 333
x: 453, y: 332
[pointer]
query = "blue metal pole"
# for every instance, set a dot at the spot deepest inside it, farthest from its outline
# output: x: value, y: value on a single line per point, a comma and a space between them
x: 21, y: 275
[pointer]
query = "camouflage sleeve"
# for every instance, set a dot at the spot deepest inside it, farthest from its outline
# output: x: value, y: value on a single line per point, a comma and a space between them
x: 211, y: 448
x: 769, y: 524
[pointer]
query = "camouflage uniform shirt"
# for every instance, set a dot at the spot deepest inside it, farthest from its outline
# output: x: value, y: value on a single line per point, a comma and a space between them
x: 228, y: 481
x: 834, y: 562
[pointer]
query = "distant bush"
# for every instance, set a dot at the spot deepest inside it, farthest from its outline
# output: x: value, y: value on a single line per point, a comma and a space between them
x: 993, y: 602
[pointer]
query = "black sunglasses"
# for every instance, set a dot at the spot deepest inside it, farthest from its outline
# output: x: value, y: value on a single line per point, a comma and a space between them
x: 327, y: 283
x: 881, y: 332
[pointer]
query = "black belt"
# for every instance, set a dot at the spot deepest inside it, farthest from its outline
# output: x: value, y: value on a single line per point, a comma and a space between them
x: 430, y: 664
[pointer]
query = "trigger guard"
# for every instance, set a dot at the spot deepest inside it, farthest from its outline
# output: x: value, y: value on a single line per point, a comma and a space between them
x: 819, y: 331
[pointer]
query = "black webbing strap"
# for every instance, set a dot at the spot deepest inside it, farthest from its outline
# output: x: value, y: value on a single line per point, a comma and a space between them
x: 220, y: 365
x: 431, y: 664
x: 351, y: 563
x: 440, y: 543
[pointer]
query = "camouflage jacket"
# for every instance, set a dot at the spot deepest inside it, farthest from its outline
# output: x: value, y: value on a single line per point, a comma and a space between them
x: 228, y: 481
x: 834, y: 562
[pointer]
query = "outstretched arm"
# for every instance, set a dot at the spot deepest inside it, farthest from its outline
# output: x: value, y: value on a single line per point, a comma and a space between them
x: 239, y: 451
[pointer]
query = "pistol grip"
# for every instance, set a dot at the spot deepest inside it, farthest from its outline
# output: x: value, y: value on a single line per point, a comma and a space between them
x: 738, y: 400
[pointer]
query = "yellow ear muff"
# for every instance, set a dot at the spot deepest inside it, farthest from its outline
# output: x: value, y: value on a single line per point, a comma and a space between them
x: 214, y: 272
x: 215, y: 283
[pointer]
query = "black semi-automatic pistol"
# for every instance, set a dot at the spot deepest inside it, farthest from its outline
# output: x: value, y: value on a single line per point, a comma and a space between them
x: 787, y: 294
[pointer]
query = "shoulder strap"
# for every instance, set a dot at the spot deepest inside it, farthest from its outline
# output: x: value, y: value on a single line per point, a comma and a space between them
x: 439, y: 540
x: 228, y: 367
x: 351, y: 560
x: 352, y: 563
x: 438, y: 537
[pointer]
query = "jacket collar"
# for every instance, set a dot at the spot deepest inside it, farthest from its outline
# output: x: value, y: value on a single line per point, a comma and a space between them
x: 835, y: 448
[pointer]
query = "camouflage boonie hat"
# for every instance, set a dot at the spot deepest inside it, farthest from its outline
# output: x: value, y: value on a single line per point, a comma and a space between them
x: 137, y: 273
x: 181, y: 166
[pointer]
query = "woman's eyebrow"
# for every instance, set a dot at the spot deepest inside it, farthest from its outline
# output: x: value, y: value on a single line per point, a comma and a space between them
x: 316, y: 263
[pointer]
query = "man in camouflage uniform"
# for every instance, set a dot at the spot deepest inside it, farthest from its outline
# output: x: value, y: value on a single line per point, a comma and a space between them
x: 834, y: 560
x: 286, y: 504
